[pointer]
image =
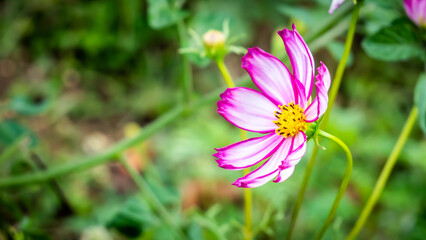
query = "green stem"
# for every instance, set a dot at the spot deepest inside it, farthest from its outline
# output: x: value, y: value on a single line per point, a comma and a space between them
x: 225, y: 73
x: 148, y: 194
x: 248, y: 198
x: 323, y: 124
x: 93, y: 161
x: 186, y: 66
x: 343, y: 185
x: 342, y: 64
x: 88, y: 162
x: 384, y: 175
x: 302, y: 191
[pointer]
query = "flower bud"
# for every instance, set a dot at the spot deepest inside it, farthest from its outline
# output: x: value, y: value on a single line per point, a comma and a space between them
x: 214, y: 39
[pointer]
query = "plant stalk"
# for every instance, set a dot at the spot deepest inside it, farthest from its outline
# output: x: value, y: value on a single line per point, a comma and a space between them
x: 384, y: 175
x: 148, y: 194
x: 343, y: 185
x: 248, y: 198
x: 333, y: 93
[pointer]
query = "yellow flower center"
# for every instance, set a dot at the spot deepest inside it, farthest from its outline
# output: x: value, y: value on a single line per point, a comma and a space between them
x: 290, y: 121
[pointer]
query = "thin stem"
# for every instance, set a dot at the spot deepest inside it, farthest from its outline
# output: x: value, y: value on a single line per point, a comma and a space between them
x: 384, y: 175
x: 342, y: 64
x: 65, y: 208
x: 225, y: 73
x: 248, y: 198
x: 95, y: 160
x: 302, y: 191
x: 343, y: 185
x: 158, y: 124
x: 186, y: 66
x: 333, y: 93
x: 148, y: 194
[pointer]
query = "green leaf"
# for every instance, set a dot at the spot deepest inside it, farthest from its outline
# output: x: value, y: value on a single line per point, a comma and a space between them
x: 133, y: 218
x: 161, y: 13
x: 28, y: 106
x: 11, y: 131
x: 394, y: 43
x: 420, y: 100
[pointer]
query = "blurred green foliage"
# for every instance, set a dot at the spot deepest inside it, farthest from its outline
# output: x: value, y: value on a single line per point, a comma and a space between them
x: 74, y: 74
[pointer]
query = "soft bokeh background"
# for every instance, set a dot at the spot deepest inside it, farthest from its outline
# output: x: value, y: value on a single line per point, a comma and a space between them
x: 77, y: 76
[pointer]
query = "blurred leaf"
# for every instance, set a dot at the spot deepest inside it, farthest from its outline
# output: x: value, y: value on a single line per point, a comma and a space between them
x: 195, y: 231
x: 162, y: 14
x: 11, y: 131
x: 133, y: 218
x: 336, y: 49
x: 420, y: 100
x: 394, y: 43
x: 27, y: 106
x: 309, y: 17
x: 379, y: 13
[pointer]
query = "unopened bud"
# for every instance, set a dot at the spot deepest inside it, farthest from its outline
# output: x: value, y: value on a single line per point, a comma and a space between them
x: 214, y: 39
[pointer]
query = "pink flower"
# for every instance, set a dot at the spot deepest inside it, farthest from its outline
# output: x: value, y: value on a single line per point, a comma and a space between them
x: 335, y: 4
x: 280, y: 110
x: 416, y: 11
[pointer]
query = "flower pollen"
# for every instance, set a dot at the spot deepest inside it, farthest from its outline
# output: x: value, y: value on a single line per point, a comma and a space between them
x: 290, y: 121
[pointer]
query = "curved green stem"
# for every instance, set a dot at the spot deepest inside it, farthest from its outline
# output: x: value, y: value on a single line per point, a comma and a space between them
x: 384, y: 175
x: 343, y: 185
x: 248, y: 198
x: 333, y: 93
x: 186, y: 66
x: 148, y: 194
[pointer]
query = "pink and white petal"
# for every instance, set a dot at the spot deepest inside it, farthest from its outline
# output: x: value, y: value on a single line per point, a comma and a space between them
x: 301, y: 95
x: 300, y: 56
x: 298, y: 149
x: 270, y: 75
x: 248, y: 152
x: 268, y: 170
x: 320, y: 103
x: 247, y: 109
x: 284, y: 174
x: 335, y: 4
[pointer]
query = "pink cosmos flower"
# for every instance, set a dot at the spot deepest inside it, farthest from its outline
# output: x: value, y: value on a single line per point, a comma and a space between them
x: 416, y: 11
x: 335, y: 4
x: 280, y: 110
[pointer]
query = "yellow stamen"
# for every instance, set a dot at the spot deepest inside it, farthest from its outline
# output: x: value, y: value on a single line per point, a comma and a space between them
x: 290, y: 121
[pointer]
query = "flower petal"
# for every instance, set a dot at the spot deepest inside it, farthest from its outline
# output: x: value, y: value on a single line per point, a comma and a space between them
x: 335, y: 4
x: 320, y: 103
x: 287, y: 166
x: 247, y: 109
x: 268, y: 170
x: 301, y: 95
x: 284, y: 174
x: 248, y: 152
x: 416, y: 11
x: 298, y: 149
x: 301, y: 58
x: 270, y: 75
